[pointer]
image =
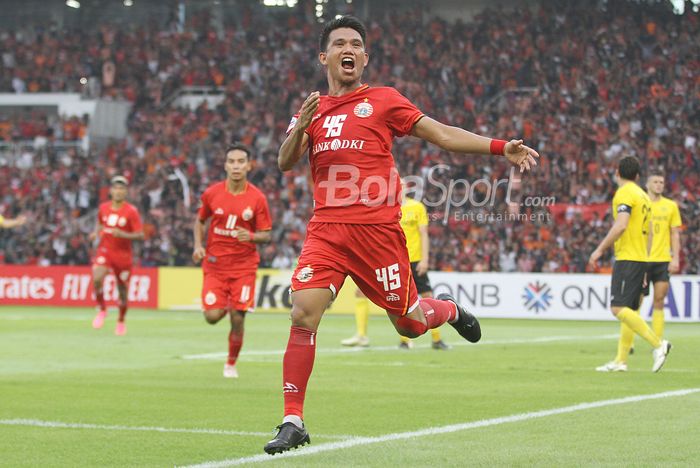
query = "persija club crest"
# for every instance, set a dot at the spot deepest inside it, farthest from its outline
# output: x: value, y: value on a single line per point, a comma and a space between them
x: 363, y: 109
x: 305, y: 274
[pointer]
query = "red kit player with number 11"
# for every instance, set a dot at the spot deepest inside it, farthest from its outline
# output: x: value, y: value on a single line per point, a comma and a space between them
x: 355, y: 229
x: 240, y: 218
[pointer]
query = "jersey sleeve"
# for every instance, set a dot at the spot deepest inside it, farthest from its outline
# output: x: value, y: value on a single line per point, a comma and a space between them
x: 2, y: 220
x: 402, y: 114
x: 263, y: 220
x: 675, y: 216
x: 204, y: 211
x: 293, y: 122
x: 135, y: 219
x: 623, y: 201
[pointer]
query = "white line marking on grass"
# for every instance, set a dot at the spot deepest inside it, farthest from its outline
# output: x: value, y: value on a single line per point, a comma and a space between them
x: 280, y: 352
x: 359, y: 441
x: 63, y: 425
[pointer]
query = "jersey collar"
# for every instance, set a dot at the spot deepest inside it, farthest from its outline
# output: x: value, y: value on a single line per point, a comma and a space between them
x: 351, y: 94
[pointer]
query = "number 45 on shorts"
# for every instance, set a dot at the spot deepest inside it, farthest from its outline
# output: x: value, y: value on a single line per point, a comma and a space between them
x: 389, y: 277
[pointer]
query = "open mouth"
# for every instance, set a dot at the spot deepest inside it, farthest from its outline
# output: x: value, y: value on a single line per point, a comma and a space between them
x: 348, y: 63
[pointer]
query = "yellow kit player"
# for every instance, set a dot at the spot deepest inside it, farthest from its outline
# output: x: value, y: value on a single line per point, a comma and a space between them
x: 631, y: 234
x: 664, y: 258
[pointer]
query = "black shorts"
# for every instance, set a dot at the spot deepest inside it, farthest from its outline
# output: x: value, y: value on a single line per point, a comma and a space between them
x: 657, y: 271
x: 628, y: 283
x: 422, y: 281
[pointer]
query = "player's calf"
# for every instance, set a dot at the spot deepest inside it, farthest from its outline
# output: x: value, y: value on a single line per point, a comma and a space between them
x: 410, y: 328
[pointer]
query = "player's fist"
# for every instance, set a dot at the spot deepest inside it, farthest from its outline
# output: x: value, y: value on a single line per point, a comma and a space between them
x: 308, y: 109
x: 198, y: 254
x: 674, y: 266
x: 593, y: 259
x: 118, y: 233
x: 243, y: 235
x: 422, y: 267
x: 94, y: 235
x: 520, y: 155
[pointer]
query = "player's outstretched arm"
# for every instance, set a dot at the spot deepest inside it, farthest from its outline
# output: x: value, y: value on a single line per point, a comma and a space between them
x: 613, y: 234
x: 461, y: 141
x: 297, y: 141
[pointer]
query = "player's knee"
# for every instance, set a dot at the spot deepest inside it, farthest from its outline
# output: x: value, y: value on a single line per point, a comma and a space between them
x: 303, y: 317
x: 411, y: 328
x: 212, y: 317
x: 299, y: 316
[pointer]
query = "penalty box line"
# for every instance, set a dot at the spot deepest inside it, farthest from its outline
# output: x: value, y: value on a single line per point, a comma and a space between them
x: 361, y: 441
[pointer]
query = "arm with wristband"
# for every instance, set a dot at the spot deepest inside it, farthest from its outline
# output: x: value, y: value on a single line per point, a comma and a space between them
x: 461, y: 141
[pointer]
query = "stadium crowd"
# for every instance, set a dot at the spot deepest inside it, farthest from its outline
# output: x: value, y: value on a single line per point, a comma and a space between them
x: 584, y: 86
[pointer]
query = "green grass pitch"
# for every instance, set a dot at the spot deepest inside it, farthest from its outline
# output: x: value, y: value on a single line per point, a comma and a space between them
x: 74, y: 396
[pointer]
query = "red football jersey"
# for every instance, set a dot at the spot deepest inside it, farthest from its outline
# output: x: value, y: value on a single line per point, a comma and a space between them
x: 350, y: 140
x: 247, y: 210
x: 125, y: 218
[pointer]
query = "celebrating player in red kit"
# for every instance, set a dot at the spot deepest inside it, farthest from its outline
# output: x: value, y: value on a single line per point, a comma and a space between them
x: 240, y: 218
x: 355, y: 229
x: 118, y: 224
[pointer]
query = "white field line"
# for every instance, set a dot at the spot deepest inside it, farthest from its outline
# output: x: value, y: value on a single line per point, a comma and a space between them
x: 360, y: 441
x: 63, y: 425
x: 280, y: 352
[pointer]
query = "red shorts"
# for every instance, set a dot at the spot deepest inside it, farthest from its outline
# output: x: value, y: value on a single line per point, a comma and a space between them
x: 223, y: 291
x: 374, y: 255
x: 120, y: 264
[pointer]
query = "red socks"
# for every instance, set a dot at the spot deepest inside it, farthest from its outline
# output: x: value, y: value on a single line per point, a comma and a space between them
x: 100, y: 296
x: 122, y: 312
x: 437, y: 312
x: 235, y: 342
x: 297, y: 366
x: 301, y: 351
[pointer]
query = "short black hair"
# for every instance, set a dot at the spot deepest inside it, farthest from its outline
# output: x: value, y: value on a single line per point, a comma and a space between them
x: 241, y: 147
x: 346, y: 21
x: 628, y: 167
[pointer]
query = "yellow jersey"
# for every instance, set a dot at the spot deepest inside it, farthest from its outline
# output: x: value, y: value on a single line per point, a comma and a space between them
x: 2, y: 221
x: 632, y: 244
x: 664, y: 216
x: 413, y: 216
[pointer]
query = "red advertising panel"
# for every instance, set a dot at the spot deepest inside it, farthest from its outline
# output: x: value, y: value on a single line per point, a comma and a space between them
x: 71, y: 286
x: 566, y: 211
